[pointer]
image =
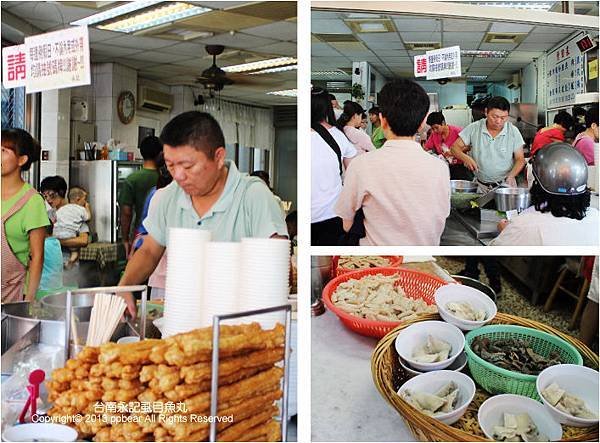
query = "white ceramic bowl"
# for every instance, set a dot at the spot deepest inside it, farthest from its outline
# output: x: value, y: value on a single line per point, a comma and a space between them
x: 457, y: 365
x: 491, y: 413
x: 431, y: 382
x: 128, y: 339
x: 40, y: 432
x: 416, y: 335
x: 576, y: 380
x: 462, y: 293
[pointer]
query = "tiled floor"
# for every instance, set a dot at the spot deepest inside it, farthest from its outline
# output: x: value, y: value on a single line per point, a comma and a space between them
x: 511, y: 301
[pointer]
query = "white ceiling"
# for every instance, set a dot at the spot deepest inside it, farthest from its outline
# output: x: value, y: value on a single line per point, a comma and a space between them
x: 387, y: 53
x: 174, y: 62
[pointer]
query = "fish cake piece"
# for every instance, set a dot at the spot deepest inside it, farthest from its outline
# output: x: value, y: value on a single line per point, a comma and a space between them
x: 125, y: 395
x: 133, y: 432
x: 111, y: 352
x: 161, y: 434
x: 249, y: 407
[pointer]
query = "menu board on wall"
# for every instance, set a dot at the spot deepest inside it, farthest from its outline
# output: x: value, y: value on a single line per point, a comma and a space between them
x: 565, y: 74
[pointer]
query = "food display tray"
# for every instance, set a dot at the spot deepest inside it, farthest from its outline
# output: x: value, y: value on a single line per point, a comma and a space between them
x: 415, y: 284
x: 388, y: 376
x: 395, y: 261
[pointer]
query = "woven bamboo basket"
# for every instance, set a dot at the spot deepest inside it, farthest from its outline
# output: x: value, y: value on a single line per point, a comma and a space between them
x: 388, y: 376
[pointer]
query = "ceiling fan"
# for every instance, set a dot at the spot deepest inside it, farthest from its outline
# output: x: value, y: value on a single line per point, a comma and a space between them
x: 214, y: 78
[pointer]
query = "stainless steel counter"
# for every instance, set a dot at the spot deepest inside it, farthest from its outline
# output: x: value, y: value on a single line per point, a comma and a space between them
x: 346, y: 405
x: 467, y: 230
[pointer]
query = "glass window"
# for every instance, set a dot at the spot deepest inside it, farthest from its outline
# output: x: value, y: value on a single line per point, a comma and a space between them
x: 13, y: 108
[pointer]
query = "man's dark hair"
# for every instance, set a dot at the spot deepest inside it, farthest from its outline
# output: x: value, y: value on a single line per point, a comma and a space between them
x: 332, y: 97
x: 498, y: 103
x: 150, y: 147
x: 571, y: 206
x: 564, y: 119
x: 21, y: 143
x: 54, y: 183
x: 404, y: 105
x: 436, y: 118
x: 292, y: 217
x: 263, y: 175
x: 320, y: 107
x: 591, y: 116
x: 194, y: 128
x: 375, y: 110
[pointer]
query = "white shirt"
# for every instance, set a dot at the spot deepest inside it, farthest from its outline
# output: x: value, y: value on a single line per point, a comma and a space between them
x: 69, y: 221
x: 533, y: 228
x: 326, y: 183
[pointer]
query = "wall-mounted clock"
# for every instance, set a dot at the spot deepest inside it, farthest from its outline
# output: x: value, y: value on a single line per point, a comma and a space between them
x: 126, y: 106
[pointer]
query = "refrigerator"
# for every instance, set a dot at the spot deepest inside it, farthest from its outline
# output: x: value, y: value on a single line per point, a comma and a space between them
x: 102, y: 180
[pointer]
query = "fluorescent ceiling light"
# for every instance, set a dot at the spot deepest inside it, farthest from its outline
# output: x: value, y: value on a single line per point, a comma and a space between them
x: 329, y: 74
x: 160, y: 15
x: 536, y: 6
x: 477, y: 77
x: 285, y: 93
x: 483, y: 54
x: 115, y: 12
x: 278, y: 69
x: 261, y: 65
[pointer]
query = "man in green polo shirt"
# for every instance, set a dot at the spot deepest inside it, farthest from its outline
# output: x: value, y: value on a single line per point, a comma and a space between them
x: 377, y: 136
x: 496, y: 146
x: 208, y: 192
x: 135, y: 189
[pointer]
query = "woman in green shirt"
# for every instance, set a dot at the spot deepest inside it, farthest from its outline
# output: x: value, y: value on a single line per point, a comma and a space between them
x: 24, y: 219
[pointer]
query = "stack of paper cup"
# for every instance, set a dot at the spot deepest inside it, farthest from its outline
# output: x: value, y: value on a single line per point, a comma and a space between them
x: 186, y: 270
x: 264, y: 277
x: 221, y: 280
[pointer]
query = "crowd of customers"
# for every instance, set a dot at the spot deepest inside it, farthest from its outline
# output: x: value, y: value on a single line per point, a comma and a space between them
x: 389, y: 189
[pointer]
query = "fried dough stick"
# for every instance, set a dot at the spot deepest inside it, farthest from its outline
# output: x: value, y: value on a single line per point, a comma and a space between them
x: 183, y: 391
x: 198, y: 348
x: 249, y: 387
x: 238, y: 430
x: 270, y: 431
x: 240, y: 412
x: 202, y: 371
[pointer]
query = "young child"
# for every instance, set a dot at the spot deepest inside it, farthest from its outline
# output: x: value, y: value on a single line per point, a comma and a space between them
x: 71, y: 220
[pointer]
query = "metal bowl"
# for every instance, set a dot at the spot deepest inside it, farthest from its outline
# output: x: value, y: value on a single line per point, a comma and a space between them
x: 510, y: 199
x: 461, y: 186
x: 82, y: 305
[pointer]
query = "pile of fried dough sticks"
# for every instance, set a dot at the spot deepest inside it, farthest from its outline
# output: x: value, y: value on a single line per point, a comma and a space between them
x: 175, y: 371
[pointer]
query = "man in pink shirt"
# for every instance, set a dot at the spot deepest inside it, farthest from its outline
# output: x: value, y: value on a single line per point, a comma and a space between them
x: 441, y: 138
x: 403, y: 191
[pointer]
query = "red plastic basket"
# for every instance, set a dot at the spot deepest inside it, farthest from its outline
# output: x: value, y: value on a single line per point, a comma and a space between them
x: 415, y: 284
x: 395, y: 261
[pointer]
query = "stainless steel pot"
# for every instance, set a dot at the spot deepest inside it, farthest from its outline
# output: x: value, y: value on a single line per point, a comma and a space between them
x: 510, y: 199
x: 461, y: 186
x: 82, y: 305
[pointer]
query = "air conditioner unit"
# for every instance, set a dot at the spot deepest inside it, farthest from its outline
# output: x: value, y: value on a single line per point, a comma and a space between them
x: 154, y: 100
x: 514, y: 82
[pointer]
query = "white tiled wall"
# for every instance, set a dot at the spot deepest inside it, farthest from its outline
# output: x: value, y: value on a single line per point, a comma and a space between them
x: 56, y: 116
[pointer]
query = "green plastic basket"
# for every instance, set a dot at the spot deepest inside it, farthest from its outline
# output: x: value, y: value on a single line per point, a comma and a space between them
x: 497, y: 380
